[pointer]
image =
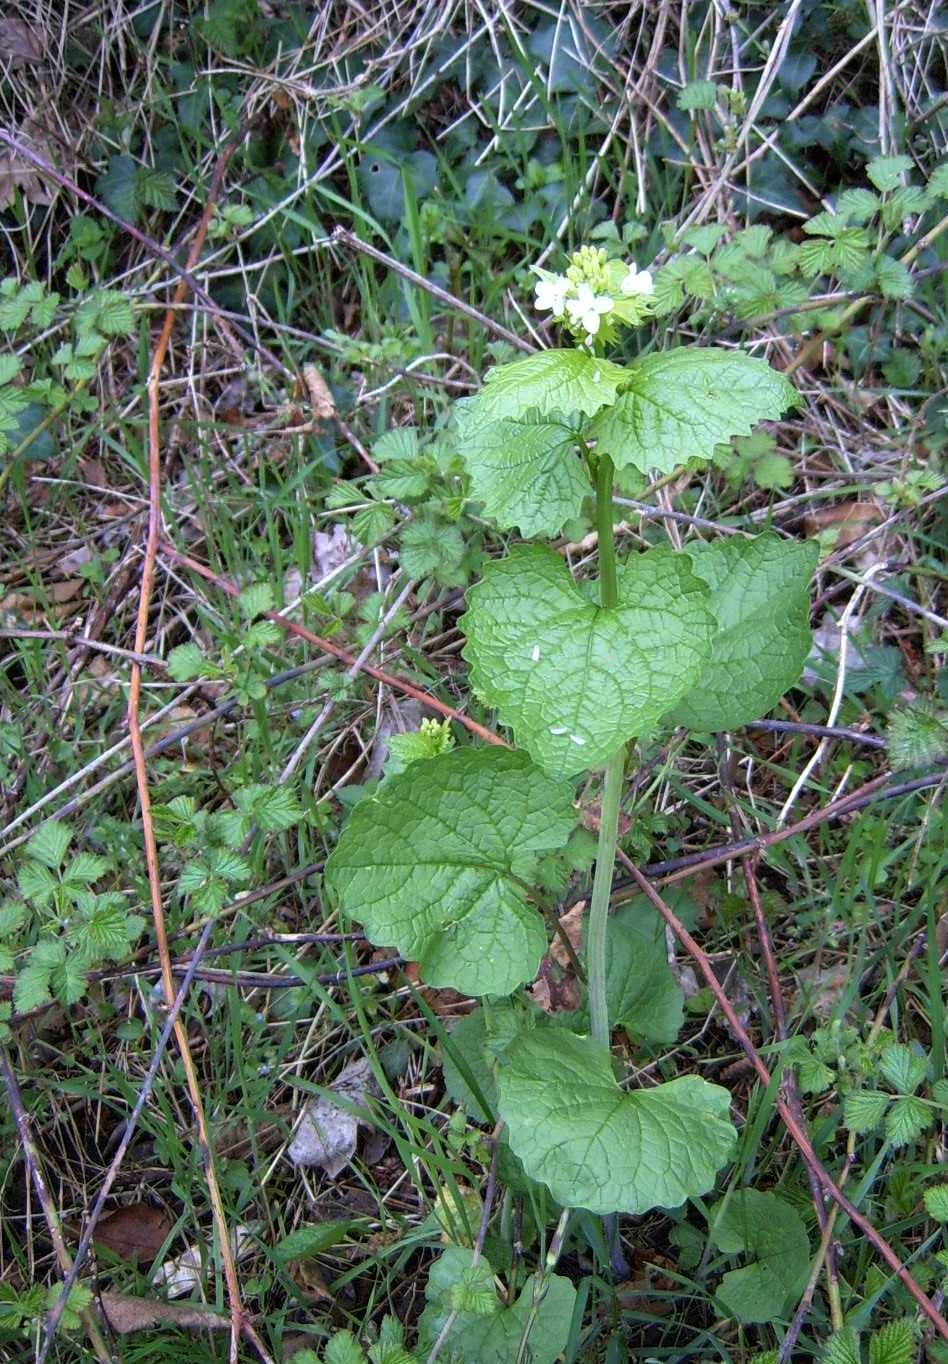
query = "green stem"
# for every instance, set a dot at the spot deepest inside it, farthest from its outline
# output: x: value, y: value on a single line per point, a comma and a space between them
x: 608, y: 584
x: 612, y: 791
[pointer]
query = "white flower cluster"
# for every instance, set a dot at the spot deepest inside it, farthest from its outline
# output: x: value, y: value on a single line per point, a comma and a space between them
x: 594, y: 294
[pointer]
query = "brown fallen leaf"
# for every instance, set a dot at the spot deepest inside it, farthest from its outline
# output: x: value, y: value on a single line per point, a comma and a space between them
x: 322, y: 401
x: 19, y: 42
x: 127, y: 1314
x: 136, y: 1232
x: 16, y: 173
x: 556, y: 989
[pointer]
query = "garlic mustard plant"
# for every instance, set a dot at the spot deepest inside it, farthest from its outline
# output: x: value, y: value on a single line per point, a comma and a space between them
x: 596, y: 296
x: 452, y: 857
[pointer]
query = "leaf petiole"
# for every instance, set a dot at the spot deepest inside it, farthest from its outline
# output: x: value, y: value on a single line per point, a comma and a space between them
x: 612, y: 790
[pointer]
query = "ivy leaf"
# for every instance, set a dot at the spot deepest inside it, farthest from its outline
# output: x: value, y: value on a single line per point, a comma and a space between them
x: 678, y: 405
x: 759, y: 599
x: 437, y: 864
x: 550, y: 381
x: 643, y: 995
x: 493, y: 1336
x: 596, y: 1146
x: 574, y: 680
x: 526, y: 472
x: 772, y: 1235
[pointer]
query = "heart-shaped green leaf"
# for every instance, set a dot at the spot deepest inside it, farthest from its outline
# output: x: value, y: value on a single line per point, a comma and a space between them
x: 526, y: 472
x: 772, y: 1235
x: 492, y: 1334
x: 575, y: 681
x: 438, y: 862
x: 643, y: 995
x: 678, y: 405
x: 596, y: 1146
x: 550, y: 381
x: 759, y: 599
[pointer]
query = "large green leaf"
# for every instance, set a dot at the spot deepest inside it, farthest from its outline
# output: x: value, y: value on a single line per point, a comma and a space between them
x: 550, y: 381
x: 526, y: 472
x: 773, y: 1237
x: 596, y: 1146
x: 759, y: 599
x: 492, y: 1335
x: 678, y: 405
x: 643, y: 995
x: 436, y: 865
x: 574, y: 681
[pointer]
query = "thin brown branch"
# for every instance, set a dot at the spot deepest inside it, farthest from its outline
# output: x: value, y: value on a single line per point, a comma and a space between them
x: 327, y: 646
x: 237, y: 1312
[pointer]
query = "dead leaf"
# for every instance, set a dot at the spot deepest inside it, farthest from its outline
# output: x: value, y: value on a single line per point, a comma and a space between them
x: 126, y: 1314
x: 19, y: 42
x: 186, y: 1272
x: 16, y: 173
x: 556, y: 989
x: 326, y: 1134
x: 136, y: 1232
x: 322, y: 401
x: 332, y: 549
x: 37, y: 605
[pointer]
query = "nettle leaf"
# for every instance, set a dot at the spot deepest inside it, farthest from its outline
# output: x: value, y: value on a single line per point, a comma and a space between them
x: 274, y: 808
x: 864, y: 1109
x: 759, y: 600
x: 886, y: 172
x: 936, y: 1202
x: 678, y: 405
x: 50, y: 844
x: 903, y: 1068
x: 893, y: 1343
x: 596, y: 1146
x: 494, y: 1336
x: 256, y: 600
x: 526, y: 472
x: 438, y: 864
x: 550, y: 381
x: 186, y: 662
x: 772, y: 1235
x: 893, y: 277
x: 906, y: 1120
x: 643, y: 994
x: 843, y: 1348
x: 575, y: 681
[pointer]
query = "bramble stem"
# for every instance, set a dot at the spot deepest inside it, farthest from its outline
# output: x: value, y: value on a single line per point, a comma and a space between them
x: 612, y: 790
